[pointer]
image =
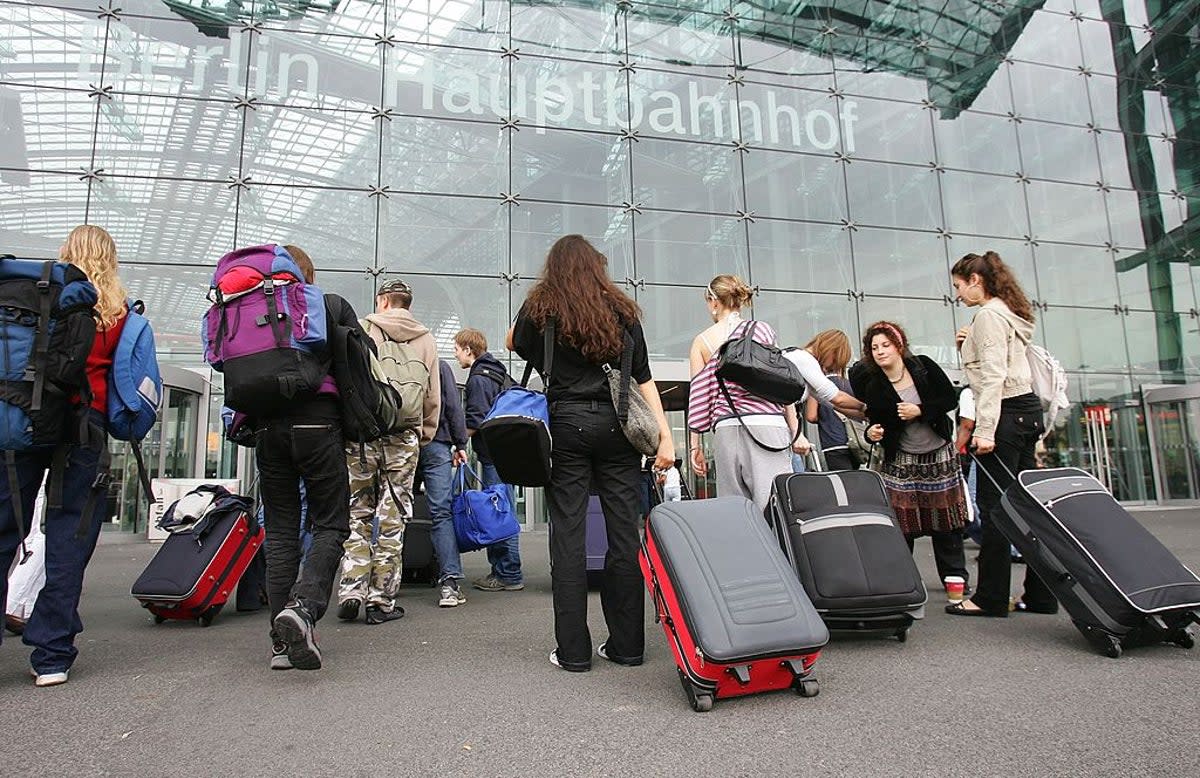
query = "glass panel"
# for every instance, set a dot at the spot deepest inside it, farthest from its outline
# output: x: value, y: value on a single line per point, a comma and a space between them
x: 1125, y: 218
x: 1058, y: 153
x: 301, y: 147
x: 1067, y: 212
x: 446, y: 305
x: 44, y: 129
x: 455, y: 83
x: 174, y: 57
x: 536, y: 226
x: 893, y: 131
x: 1050, y: 94
x: 153, y: 136
x: 799, y: 120
x: 893, y: 195
x: 798, y: 256
x: 175, y: 301
x: 582, y: 96
x: 593, y: 33
x: 1076, y: 275
x: 1177, y: 432
x: 678, y: 37
x: 687, y: 176
x: 336, y: 228
x: 929, y: 326
x: 570, y: 166
x: 867, y: 81
x: 797, y: 317
x: 454, y: 235
x: 437, y: 155
x: 976, y: 141
x: 794, y: 186
x: 984, y: 204
x: 1017, y: 254
x: 160, y: 220
x: 682, y: 248
x: 1048, y: 39
x: 1085, y: 338
x: 50, y: 48
x: 1097, y: 42
x: 687, y: 107
x: 37, y: 210
x: 896, y: 262
x: 1156, y: 340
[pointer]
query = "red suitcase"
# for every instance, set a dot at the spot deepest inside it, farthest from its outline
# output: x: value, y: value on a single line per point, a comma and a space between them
x: 194, y: 573
x: 734, y: 613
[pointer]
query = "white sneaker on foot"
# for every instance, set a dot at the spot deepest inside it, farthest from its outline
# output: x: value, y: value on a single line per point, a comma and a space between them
x: 451, y: 595
x: 50, y: 679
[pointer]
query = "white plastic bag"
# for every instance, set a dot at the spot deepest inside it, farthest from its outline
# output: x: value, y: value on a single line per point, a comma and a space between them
x: 26, y: 580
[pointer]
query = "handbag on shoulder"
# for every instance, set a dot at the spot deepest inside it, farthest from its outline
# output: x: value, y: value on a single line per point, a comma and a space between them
x: 760, y: 369
x: 637, y: 418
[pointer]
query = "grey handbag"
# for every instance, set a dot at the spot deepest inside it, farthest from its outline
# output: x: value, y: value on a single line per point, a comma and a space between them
x: 638, y: 420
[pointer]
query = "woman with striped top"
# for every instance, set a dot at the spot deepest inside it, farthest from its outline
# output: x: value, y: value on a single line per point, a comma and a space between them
x: 754, y: 438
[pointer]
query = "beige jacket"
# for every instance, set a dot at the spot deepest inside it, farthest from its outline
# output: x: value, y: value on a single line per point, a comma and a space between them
x: 994, y: 360
x: 400, y: 325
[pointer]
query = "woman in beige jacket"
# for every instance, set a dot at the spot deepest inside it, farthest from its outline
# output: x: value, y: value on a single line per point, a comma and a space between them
x: 1008, y: 420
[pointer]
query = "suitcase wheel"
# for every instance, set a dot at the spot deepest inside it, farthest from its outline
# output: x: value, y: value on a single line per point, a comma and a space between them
x: 206, y: 618
x: 1186, y: 639
x: 902, y: 634
x: 807, y: 687
x: 159, y: 619
x: 701, y: 700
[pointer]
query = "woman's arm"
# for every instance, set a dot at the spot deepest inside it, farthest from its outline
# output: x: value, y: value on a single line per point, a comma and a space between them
x: 665, y: 458
x: 810, y: 410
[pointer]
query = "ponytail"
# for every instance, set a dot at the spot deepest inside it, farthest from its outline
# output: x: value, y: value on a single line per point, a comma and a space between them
x: 998, y: 281
x: 730, y: 291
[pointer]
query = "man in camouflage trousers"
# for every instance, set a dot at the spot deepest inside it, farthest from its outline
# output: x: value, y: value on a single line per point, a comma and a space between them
x: 381, y: 475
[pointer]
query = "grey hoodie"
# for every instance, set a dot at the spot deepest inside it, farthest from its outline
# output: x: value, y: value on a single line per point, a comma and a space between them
x: 399, y: 325
x: 994, y: 360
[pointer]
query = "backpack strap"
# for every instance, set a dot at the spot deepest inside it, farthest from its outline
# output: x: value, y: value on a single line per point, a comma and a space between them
x: 276, y: 321
x: 14, y: 493
x: 41, y: 348
x: 547, y: 357
x: 97, y: 438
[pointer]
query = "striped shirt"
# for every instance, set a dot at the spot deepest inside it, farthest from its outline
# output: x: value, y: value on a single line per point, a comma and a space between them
x: 707, y: 404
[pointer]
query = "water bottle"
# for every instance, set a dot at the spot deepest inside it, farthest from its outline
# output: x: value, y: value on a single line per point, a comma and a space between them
x: 672, y: 492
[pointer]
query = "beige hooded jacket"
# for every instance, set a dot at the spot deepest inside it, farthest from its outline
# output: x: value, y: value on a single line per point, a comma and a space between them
x: 994, y: 360
x: 399, y: 325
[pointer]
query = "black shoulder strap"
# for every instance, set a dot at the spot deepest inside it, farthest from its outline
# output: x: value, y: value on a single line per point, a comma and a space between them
x: 42, y: 337
x: 547, y: 357
x: 626, y: 369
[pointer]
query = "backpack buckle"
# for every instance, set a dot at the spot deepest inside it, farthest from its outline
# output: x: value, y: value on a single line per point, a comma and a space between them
x: 268, y: 285
x: 103, y: 480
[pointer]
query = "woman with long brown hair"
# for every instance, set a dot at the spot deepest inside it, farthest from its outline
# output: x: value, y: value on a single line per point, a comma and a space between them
x: 908, y: 401
x: 591, y: 317
x: 1008, y: 419
x: 70, y: 535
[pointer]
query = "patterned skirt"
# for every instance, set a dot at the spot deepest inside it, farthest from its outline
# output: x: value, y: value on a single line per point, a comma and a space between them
x: 926, y: 491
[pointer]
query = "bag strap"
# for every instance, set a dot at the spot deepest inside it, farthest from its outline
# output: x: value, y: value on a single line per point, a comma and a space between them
x: 277, y: 326
x: 14, y: 494
x: 626, y: 369
x: 547, y: 357
x: 742, y: 422
x: 41, y: 338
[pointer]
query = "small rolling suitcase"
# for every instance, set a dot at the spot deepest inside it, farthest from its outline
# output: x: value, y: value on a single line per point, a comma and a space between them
x: 841, y: 536
x: 734, y: 615
x: 1120, y: 585
x: 595, y: 540
x: 199, y: 565
x: 418, y: 561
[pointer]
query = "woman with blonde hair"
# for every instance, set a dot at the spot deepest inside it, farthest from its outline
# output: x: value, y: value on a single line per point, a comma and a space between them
x: 70, y: 536
x: 831, y: 348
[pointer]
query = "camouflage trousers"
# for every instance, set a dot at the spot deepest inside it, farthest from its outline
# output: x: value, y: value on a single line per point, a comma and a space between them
x: 381, y: 497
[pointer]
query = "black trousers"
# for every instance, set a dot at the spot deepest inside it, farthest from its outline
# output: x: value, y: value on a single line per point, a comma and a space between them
x: 947, y: 553
x: 289, y: 451
x: 1017, y: 434
x: 590, y: 451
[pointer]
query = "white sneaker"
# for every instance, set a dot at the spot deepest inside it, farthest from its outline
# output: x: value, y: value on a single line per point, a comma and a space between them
x: 50, y: 679
x: 452, y: 595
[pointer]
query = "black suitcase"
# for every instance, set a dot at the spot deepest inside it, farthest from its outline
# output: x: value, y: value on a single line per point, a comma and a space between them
x: 841, y: 536
x: 419, y: 563
x: 1120, y: 585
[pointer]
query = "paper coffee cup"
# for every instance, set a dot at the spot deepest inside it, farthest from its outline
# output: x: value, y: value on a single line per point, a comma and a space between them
x: 954, y: 587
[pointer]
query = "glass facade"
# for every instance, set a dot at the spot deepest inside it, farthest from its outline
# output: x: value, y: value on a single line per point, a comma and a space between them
x: 838, y: 155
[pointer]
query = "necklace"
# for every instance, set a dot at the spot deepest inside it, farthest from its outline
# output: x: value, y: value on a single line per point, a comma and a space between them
x: 898, y: 380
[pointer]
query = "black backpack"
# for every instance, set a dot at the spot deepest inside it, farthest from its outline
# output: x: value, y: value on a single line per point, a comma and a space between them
x: 371, y: 406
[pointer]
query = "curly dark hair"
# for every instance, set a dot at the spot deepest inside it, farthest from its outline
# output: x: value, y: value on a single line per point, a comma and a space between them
x: 590, y: 311
x: 998, y: 281
x: 893, y: 332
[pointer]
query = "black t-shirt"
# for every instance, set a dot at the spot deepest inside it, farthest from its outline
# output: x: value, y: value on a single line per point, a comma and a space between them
x: 574, y: 377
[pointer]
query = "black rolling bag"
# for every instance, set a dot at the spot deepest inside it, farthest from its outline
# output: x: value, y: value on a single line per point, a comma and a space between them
x: 841, y: 536
x: 1120, y: 585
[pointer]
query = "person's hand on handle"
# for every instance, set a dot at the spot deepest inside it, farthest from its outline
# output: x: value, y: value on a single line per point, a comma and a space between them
x: 802, y: 446
x: 665, y: 458
x: 982, y: 445
x: 908, y: 411
x: 460, y: 457
x: 699, y: 465
x: 875, y: 433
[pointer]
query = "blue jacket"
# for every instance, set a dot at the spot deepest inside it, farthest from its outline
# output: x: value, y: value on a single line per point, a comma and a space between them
x: 452, y: 428
x: 487, y: 379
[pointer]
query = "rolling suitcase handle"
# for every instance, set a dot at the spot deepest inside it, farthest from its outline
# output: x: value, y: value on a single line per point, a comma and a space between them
x: 990, y: 477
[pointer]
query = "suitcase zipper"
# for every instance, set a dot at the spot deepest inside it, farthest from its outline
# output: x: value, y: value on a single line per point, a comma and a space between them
x: 1055, y: 501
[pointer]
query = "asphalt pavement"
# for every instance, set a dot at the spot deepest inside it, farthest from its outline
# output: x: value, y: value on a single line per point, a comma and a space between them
x: 469, y: 691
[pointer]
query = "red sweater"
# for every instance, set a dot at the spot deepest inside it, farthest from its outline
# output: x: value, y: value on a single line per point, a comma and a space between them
x: 100, y: 361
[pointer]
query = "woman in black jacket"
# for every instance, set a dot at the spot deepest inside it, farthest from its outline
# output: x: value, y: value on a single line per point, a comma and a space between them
x: 908, y: 398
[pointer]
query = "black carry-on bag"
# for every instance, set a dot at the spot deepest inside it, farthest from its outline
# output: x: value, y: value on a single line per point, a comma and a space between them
x: 842, y: 538
x: 1120, y: 585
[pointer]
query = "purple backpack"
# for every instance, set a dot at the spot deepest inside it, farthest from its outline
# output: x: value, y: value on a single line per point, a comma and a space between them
x: 265, y: 330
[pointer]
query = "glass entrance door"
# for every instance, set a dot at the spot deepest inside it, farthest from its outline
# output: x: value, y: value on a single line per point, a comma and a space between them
x: 1174, y: 414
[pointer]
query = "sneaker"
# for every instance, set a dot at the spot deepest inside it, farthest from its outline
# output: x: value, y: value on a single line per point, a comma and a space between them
x: 583, y: 668
x: 377, y: 615
x: 298, y: 633
x: 50, y: 679
x: 602, y: 652
x: 452, y: 596
x: 279, y: 657
x: 348, y: 610
x: 490, y: 583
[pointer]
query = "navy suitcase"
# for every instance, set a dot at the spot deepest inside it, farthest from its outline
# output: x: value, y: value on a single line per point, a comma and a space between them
x: 1120, y: 585
x: 841, y: 536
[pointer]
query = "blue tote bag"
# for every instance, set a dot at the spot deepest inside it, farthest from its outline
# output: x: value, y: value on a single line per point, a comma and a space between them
x: 481, y: 516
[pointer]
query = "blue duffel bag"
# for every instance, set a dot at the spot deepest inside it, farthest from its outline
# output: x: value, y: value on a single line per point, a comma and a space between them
x: 517, y: 428
x: 482, y: 517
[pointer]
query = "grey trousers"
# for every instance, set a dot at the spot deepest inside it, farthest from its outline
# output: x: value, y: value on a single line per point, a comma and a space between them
x: 743, y: 467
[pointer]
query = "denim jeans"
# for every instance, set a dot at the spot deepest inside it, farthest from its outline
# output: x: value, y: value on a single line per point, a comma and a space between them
x: 55, y: 621
x: 505, y: 556
x: 435, y: 469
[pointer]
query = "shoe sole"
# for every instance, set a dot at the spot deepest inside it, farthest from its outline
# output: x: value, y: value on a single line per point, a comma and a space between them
x: 280, y: 666
x: 344, y: 611
x: 513, y: 588
x: 42, y: 684
x: 301, y: 650
x: 452, y: 603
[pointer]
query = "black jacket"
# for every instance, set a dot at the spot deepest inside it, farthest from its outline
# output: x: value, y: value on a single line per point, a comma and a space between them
x: 486, y: 380
x: 451, y: 427
x: 938, y: 398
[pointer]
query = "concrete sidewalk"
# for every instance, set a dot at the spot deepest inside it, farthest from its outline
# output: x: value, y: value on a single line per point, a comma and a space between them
x: 469, y: 692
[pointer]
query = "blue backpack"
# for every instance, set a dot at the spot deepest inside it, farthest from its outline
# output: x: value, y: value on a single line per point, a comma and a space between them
x: 135, y: 387
x: 482, y: 517
x: 517, y: 428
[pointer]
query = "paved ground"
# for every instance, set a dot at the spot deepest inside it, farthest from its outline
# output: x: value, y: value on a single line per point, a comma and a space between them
x: 469, y: 692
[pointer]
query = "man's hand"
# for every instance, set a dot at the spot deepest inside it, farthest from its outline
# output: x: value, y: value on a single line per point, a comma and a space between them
x: 459, y: 458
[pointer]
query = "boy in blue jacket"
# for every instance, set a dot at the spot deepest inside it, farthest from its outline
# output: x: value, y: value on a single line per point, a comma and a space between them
x: 486, y: 380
